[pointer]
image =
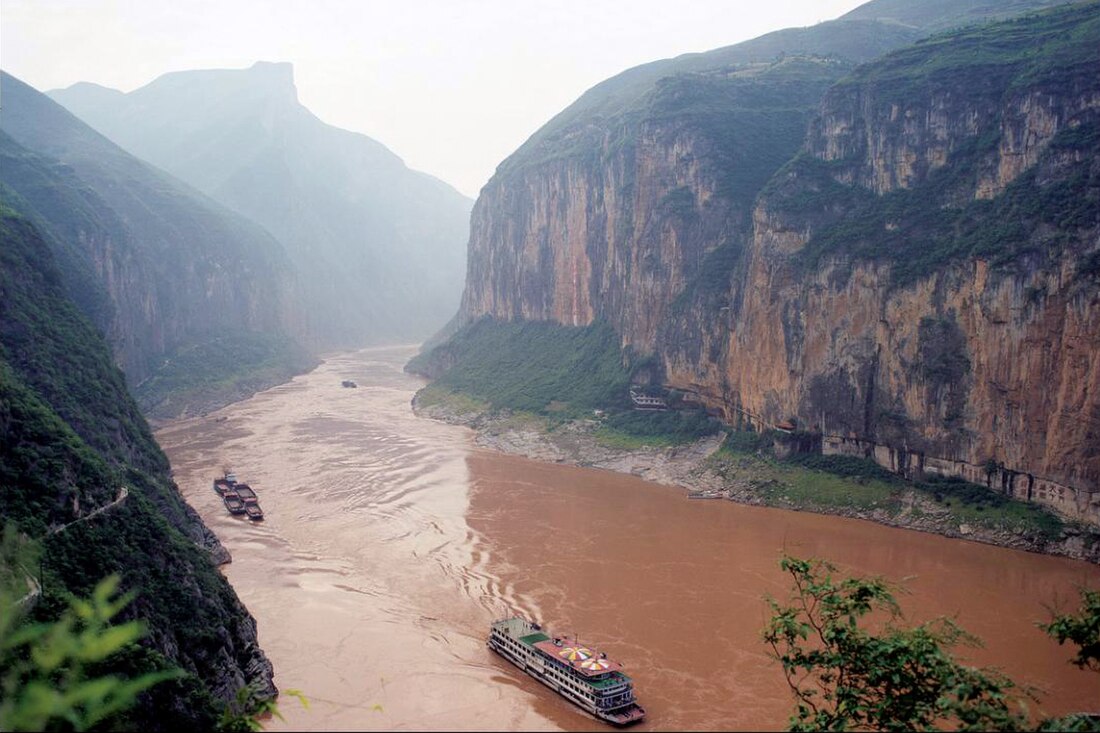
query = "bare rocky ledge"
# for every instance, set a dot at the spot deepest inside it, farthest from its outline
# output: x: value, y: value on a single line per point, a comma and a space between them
x: 686, y: 466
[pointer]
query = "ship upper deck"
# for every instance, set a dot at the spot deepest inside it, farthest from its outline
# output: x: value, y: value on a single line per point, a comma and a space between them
x: 585, y: 660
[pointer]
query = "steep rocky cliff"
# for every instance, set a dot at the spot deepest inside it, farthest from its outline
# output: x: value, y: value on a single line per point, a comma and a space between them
x: 378, y: 248
x: 646, y: 183
x: 618, y: 232
x: 917, y: 281
x: 922, y: 280
x: 72, y: 442
x: 638, y: 197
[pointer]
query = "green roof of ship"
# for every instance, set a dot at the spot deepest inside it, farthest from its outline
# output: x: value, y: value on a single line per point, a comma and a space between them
x: 532, y: 639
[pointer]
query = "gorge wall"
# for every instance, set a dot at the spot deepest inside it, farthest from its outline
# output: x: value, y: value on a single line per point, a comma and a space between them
x: 70, y: 438
x: 918, y: 281
x: 644, y: 186
x: 155, y: 264
x: 923, y: 276
x: 173, y: 280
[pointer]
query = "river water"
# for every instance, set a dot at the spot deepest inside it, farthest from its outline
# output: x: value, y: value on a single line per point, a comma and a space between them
x: 391, y: 542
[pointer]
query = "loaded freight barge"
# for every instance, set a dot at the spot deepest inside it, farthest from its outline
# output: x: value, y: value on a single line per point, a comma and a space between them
x: 579, y: 674
x: 238, y: 498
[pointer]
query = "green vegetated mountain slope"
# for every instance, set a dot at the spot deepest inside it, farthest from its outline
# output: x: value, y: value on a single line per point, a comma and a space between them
x: 640, y: 207
x: 379, y: 249
x: 938, y: 15
x: 161, y: 269
x: 530, y: 365
x: 71, y: 439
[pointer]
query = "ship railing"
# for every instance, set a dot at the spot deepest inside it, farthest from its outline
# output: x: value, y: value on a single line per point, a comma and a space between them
x: 611, y: 704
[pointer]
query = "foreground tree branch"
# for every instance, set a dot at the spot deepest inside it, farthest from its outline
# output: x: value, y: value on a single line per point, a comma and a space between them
x: 847, y: 677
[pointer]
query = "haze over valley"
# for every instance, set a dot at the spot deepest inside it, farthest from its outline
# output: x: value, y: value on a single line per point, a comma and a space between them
x: 734, y: 348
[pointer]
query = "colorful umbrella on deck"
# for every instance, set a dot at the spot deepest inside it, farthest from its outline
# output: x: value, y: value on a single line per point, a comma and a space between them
x: 596, y: 664
x: 574, y: 653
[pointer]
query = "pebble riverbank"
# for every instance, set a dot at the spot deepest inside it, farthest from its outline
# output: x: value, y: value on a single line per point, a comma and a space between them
x: 693, y: 467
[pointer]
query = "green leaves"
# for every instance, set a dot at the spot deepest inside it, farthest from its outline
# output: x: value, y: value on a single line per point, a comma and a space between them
x: 1081, y: 628
x: 845, y: 676
x: 244, y: 716
x: 45, y: 681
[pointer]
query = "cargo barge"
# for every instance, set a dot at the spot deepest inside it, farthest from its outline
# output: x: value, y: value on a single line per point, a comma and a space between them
x: 238, y: 498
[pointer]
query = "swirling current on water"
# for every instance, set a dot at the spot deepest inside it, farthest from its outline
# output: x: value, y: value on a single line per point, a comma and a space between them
x: 390, y: 543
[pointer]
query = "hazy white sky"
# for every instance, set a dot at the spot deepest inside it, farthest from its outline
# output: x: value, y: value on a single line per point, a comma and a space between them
x: 451, y: 87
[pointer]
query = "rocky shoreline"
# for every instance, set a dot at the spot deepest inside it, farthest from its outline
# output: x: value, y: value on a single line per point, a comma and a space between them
x: 694, y: 467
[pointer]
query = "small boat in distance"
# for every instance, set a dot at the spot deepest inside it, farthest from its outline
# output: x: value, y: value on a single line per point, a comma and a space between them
x: 576, y: 672
x: 348, y: 383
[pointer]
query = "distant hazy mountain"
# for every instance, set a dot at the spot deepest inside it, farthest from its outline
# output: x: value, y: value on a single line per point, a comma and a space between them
x: 159, y: 267
x: 380, y: 249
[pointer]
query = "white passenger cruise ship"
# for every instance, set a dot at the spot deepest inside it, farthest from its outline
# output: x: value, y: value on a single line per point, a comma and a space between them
x: 578, y: 673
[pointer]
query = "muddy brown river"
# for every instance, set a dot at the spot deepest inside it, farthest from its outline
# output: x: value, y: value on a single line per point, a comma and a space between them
x: 391, y: 542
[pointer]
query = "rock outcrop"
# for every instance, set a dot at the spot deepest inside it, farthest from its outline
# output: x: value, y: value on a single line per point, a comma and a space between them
x: 963, y: 336
x: 916, y: 277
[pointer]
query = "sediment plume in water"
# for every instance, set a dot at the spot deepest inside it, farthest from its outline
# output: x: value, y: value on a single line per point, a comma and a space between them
x: 390, y: 543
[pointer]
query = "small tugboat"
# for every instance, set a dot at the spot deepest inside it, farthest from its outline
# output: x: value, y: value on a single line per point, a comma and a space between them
x: 578, y: 673
x: 238, y: 498
x: 223, y: 486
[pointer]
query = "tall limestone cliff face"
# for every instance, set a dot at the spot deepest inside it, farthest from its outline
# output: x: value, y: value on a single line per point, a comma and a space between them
x: 923, y: 277
x: 645, y: 185
x: 615, y: 241
x: 915, y: 275
x: 633, y: 205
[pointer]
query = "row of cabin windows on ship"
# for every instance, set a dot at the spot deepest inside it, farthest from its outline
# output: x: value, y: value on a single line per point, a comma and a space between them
x: 569, y: 681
